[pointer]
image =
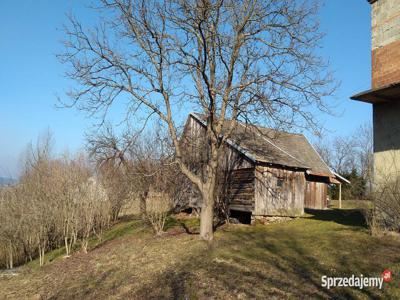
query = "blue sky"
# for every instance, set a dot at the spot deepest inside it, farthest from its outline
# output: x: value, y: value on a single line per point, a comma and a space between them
x: 31, y: 77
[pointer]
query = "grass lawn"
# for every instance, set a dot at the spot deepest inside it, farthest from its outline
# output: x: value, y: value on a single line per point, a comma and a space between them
x: 351, y: 204
x: 280, y: 260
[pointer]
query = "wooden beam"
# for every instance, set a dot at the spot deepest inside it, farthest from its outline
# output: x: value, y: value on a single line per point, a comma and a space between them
x: 340, y: 195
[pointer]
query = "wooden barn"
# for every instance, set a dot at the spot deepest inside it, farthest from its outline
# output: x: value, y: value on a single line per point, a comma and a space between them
x: 265, y: 172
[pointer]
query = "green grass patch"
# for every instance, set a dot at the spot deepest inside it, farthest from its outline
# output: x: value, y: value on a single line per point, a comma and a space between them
x: 119, y: 230
x: 352, y: 204
x: 189, y: 224
x: 48, y: 257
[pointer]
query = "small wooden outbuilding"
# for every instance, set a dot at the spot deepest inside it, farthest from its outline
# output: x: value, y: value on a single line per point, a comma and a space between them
x: 266, y: 172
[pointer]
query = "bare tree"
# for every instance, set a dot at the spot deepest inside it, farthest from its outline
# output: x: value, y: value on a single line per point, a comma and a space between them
x: 117, y: 185
x: 123, y: 162
x: 250, y: 60
x: 351, y: 156
x: 136, y: 165
x: 339, y: 153
x: 364, y: 148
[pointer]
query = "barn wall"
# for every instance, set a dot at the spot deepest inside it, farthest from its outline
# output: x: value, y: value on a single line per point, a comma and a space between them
x: 195, y: 149
x: 274, y: 200
x: 240, y: 189
x: 316, y: 195
x: 240, y: 194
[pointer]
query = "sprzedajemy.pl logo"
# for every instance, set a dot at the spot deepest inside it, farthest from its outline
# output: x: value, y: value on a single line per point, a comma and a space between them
x: 357, y: 281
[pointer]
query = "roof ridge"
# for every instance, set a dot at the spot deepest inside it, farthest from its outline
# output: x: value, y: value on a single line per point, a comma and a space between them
x: 199, y: 115
x: 270, y: 128
x: 312, y: 146
x: 228, y: 140
x: 279, y: 148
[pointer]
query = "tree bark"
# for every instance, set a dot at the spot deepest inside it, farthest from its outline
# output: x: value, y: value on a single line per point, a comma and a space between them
x: 142, y: 205
x: 206, y: 220
x: 207, y: 209
x: 67, y: 248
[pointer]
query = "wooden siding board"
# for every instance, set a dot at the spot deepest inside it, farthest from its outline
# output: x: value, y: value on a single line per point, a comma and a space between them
x: 316, y: 195
x: 241, y: 196
x: 270, y: 199
x: 196, y: 156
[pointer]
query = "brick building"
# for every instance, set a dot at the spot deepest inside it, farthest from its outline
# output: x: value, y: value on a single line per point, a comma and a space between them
x: 385, y: 92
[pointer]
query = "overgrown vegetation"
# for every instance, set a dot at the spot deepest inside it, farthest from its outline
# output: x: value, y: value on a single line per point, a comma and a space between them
x: 357, y: 189
x: 58, y: 201
x: 66, y: 201
x: 280, y: 260
x: 386, y: 213
x: 352, y: 157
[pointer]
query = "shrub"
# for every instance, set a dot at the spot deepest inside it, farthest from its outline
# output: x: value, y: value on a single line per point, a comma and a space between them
x: 158, y: 205
x: 386, y: 214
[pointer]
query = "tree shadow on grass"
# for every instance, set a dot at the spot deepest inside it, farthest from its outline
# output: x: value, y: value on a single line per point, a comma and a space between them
x: 258, y: 263
x: 291, y: 256
x: 254, y: 262
x: 349, y: 217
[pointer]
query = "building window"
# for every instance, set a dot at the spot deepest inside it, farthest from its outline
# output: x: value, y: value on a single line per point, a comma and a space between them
x: 279, y: 182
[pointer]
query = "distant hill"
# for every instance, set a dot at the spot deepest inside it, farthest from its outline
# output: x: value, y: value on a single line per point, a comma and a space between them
x: 4, y: 181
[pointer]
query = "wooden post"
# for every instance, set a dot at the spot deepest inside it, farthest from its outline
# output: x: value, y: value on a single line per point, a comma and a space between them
x: 340, y: 195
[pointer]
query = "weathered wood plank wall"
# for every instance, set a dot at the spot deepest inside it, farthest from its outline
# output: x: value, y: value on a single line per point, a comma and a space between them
x: 278, y: 192
x: 195, y: 148
x: 316, y: 195
x: 240, y: 191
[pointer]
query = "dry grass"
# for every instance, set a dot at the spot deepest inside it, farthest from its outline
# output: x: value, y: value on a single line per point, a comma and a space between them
x: 283, y: 260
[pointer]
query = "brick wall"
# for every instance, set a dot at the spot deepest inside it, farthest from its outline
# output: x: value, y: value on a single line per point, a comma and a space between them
x: 385, y: 42
x: 386, y: 65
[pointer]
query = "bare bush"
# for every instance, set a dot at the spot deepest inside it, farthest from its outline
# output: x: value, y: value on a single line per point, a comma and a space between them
x: 117, y: 186
x: 93, y: 211
x: 132, y: 164
x: 386, y: 214
x: 352, y: 157
x: 158, y: 205
x: 57, y: 202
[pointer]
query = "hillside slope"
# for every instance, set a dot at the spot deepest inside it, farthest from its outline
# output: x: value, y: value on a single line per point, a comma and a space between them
x: 282, y: 260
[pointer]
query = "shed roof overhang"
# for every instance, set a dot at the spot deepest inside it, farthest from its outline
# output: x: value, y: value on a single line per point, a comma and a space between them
x: 388, y: 93
x: 338, y: 179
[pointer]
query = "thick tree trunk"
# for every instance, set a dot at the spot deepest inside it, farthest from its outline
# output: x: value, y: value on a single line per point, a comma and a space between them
x: 206, y: 221
x: 207, y: 209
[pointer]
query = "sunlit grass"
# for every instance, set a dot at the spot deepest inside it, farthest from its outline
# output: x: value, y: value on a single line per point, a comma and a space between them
x: 351, y: 204
x: 276, y: 260
x: 122, y: 228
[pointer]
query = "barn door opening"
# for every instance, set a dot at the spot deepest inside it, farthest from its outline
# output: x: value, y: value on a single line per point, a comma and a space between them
x: 242, y: 217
